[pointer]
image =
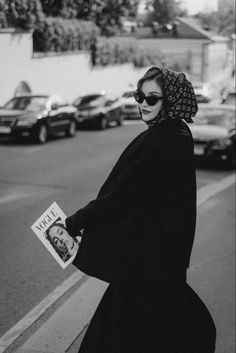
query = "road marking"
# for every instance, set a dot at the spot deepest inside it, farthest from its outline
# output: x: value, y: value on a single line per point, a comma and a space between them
x: 21, y: 326
x: 204, y: 180
x: 203, y: 194
x: 211, y: 189
x: 13, y: 197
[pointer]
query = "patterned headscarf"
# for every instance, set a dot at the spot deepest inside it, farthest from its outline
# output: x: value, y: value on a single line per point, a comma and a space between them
x: 180, y: 100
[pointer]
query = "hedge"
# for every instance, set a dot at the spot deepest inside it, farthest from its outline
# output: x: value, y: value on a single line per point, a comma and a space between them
x: 109, y: 53
x: 55, y: 34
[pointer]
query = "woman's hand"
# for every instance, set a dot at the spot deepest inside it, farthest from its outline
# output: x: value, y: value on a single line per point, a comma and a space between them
x: 72, y: 227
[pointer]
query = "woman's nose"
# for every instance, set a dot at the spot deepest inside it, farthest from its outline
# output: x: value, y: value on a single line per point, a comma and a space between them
x: 143, y: 104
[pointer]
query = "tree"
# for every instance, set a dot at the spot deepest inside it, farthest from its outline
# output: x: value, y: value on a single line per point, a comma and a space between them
x: 22, y: 13
x: 163, y: 11
x: 106, y: 14
x: 61, y: 8
x: 222, y: 22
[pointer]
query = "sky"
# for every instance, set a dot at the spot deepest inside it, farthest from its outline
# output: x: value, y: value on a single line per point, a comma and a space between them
x: 192, y: 6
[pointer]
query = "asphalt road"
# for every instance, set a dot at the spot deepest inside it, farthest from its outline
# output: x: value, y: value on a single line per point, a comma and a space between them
x: 69, y: 171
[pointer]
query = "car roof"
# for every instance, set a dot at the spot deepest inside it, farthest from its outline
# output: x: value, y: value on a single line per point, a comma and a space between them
x: 33, y: 96
x: 100, y: 93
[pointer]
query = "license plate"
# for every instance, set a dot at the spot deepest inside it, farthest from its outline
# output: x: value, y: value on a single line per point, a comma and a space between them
x: 5, y: 130
x: 198, y: 151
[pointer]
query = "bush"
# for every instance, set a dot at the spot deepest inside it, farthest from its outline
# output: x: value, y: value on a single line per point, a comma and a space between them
x: 23, y: 14
x: 109, y: 53
x: 150, y: 58
x: 55, y: 34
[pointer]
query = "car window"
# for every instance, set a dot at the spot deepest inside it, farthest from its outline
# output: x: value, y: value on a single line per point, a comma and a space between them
x: 230, y: 99
x: 57, y: 101
x: 218, y: 117
x: 128, y: 94
x: 88, y: 99
x: 26, y: 103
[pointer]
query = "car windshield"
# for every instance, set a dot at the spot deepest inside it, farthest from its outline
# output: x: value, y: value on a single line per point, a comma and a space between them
x: 26, y: 103
x: 231, y: 99
x: 128, y: 94
x: 87, y: 99
x: 217, y: 117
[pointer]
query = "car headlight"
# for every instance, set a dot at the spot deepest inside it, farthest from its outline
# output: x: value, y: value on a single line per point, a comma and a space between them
x: 222, y: 144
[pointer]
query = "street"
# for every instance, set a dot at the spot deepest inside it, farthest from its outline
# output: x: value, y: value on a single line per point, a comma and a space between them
x: 69, y: 171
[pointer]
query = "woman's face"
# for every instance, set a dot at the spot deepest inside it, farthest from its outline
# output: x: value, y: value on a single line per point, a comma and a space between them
x: 62, y: 240
x: 150, y: 112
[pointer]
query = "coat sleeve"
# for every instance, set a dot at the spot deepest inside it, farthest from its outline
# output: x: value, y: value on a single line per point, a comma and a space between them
x: 153, y: 166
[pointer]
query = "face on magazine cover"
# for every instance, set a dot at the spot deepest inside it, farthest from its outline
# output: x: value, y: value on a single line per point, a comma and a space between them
x: 62, y: 242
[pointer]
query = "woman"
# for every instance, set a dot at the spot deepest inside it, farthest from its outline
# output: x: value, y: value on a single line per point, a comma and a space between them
x: 138, y: 233
x: 62, y: 242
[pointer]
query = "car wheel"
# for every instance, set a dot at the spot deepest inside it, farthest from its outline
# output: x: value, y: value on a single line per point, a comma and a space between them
x: 232, y: 161
x: 102, y: 124
x: 120, y: 119
x: 71, y: 130
x: 41, y: 134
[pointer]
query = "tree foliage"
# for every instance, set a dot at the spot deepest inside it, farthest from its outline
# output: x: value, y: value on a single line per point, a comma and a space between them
x: 60, y: 35
x: 106, y: 14
x: 163, y: 11
x: 109, y: 52
x: 222, y: 22
x: 20, y: 13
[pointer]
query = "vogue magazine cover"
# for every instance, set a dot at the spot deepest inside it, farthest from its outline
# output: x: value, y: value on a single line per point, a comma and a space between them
x: 50, y: 229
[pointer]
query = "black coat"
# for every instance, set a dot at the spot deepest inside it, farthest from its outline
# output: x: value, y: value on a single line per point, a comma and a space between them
x: 138, y: 235
x: 141, y: 227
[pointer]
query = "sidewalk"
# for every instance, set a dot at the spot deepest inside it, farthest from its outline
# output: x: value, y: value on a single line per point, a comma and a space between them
x: 211, y: 275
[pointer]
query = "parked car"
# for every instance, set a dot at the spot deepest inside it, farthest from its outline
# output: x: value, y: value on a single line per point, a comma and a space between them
x: 203, y: 91
x: 37, y: 116
x: 98, y: 110
x: 228, y: 96
x: 129, y: 106
x: 213, y: 133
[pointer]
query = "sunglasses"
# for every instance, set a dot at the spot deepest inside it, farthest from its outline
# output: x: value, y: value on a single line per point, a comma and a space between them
x: 139, y: 96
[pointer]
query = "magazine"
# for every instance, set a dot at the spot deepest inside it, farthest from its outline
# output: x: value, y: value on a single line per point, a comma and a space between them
x: 51, y: 230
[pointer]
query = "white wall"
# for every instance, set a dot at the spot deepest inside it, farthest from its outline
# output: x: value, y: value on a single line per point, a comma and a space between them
x: 71, y: 75
x: 68, y: 75
x: 218, y: 57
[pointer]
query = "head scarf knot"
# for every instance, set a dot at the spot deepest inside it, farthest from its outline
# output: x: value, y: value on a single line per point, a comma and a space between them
x: 180, y: 100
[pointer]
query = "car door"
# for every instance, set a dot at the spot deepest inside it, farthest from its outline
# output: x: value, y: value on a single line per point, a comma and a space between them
x: 113, y: 110
x: 59, y: 115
